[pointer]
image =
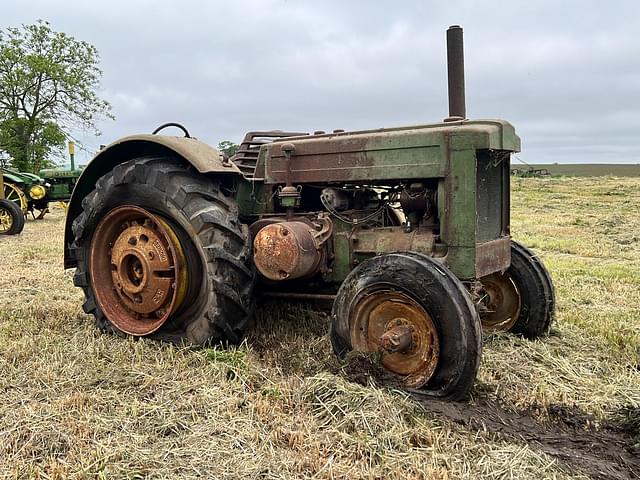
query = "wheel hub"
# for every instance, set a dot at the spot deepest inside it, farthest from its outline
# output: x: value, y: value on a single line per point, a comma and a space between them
x: 6, y: 220
x: 501, y: 302
x: 396, y: 325
x: 138, y: 270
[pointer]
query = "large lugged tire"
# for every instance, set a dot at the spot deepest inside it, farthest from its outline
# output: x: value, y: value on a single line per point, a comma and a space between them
x: 522, y: 300
x: 200, y: 260
x: 418, y: 315
x: 11, y: 218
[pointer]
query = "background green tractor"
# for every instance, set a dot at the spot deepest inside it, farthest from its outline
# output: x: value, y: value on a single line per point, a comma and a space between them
x: 33, y: 193
x: 405, y: 230
x: 60, y: 183
x: 26, y: 190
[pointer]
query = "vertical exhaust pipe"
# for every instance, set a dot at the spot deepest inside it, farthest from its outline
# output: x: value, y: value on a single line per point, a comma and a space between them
x: 455, y: 69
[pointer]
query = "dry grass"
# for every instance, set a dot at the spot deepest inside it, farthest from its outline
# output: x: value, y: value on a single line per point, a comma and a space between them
x: 78, y: 404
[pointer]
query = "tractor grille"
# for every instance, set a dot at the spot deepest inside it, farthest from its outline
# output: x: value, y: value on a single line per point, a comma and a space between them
x: 492, y: 194
x: 246, y: 157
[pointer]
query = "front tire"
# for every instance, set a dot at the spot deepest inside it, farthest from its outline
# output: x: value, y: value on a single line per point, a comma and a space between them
x: 11, y: 218
x: 418, y: 315
x: 204, y: 279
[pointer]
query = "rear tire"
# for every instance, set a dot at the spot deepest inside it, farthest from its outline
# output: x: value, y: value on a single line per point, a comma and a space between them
x: 11, y: 218
x: 528, y: 286
x: 537, y: 292
x: 439, y: 293
x: 218, y: 300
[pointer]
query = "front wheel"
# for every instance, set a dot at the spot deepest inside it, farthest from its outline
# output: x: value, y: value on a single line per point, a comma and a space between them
x: 520, y: 300
x: 161, y: 251
x: 418, y: 315
x: 11, y: 218
x: 15, y: 194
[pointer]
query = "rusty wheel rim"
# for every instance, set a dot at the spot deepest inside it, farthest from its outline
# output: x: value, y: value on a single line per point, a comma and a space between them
x: 396, y: 325
x: 6, y: 220
x: 501, y: 301
x: 137, y: 270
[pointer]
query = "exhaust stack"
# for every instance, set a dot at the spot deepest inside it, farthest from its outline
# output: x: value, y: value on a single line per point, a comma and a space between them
x: 455, y: 70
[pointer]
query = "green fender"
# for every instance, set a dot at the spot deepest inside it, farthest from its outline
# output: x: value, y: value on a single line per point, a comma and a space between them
x: 15, y: 178
x: 204, y: 158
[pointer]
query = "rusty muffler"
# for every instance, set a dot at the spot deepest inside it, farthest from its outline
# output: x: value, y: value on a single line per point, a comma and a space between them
x: 286, y: 250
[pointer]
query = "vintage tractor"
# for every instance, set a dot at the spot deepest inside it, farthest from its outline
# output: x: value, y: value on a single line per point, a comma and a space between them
x: 33, y: 193
x: 27, y: 190
x: 11, y: 216
x: 60, y: 183
x: 405, y: 230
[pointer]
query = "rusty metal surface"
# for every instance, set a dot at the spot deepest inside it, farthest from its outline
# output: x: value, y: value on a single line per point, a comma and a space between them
x: 398, y: 338
x: 501, y: 302
x: 493, y: 256
x: 415, y: 152
x: 136, y: 269
x: 286, y: 250
x: 392, y: 323
x: 392, y: 239
x: 203, y: 157
x: 348, y: 157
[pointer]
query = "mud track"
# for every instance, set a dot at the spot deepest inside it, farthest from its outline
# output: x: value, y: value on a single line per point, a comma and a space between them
x: 602, y: 450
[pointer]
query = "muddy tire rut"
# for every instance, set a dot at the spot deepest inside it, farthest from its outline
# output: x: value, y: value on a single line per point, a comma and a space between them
x: 599, y: 449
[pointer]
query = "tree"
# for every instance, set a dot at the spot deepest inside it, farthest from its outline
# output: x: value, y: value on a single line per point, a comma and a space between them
x: 228, y: 148
x: 48, y: 85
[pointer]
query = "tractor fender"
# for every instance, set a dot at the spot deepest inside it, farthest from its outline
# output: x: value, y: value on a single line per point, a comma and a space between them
x: 204, y: 158
x: 13, y: 178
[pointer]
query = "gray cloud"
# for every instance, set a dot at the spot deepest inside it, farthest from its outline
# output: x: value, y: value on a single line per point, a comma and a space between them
x: 566, y: 74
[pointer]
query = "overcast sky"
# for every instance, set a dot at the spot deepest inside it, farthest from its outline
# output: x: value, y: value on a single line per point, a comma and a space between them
x: 566, y: 74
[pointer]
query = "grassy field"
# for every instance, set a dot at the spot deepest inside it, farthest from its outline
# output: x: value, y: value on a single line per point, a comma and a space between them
x: 79, y: 404
x: 587, y: 169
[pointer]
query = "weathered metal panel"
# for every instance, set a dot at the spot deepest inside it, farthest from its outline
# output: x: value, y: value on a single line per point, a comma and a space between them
x: 203, y: 157
x: 351, y: 247
x: 461, y: 261
x: 493, y: 256
x: 490, y: 197
x: 384, y: 154
x: 392, y: 239
x: 346, y: 159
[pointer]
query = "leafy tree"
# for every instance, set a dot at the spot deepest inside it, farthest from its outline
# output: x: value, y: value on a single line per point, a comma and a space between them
x: 228, y: 148
x: 48, y: 85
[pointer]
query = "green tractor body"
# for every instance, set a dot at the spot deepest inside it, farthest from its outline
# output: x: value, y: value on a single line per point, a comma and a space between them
x: 32, y: 193
x: 26, y: 190
x: 60, y: 183
x: 405, y: 230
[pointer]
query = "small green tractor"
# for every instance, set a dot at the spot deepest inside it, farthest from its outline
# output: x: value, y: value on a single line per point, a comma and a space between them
x: 405, y: 230
x: 33, y: 193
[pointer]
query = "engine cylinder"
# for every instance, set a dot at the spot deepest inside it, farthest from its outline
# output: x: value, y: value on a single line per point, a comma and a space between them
x: 286, y: 250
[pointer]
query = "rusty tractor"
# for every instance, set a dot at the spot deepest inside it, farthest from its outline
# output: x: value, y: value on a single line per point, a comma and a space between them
x: 405, y: 230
